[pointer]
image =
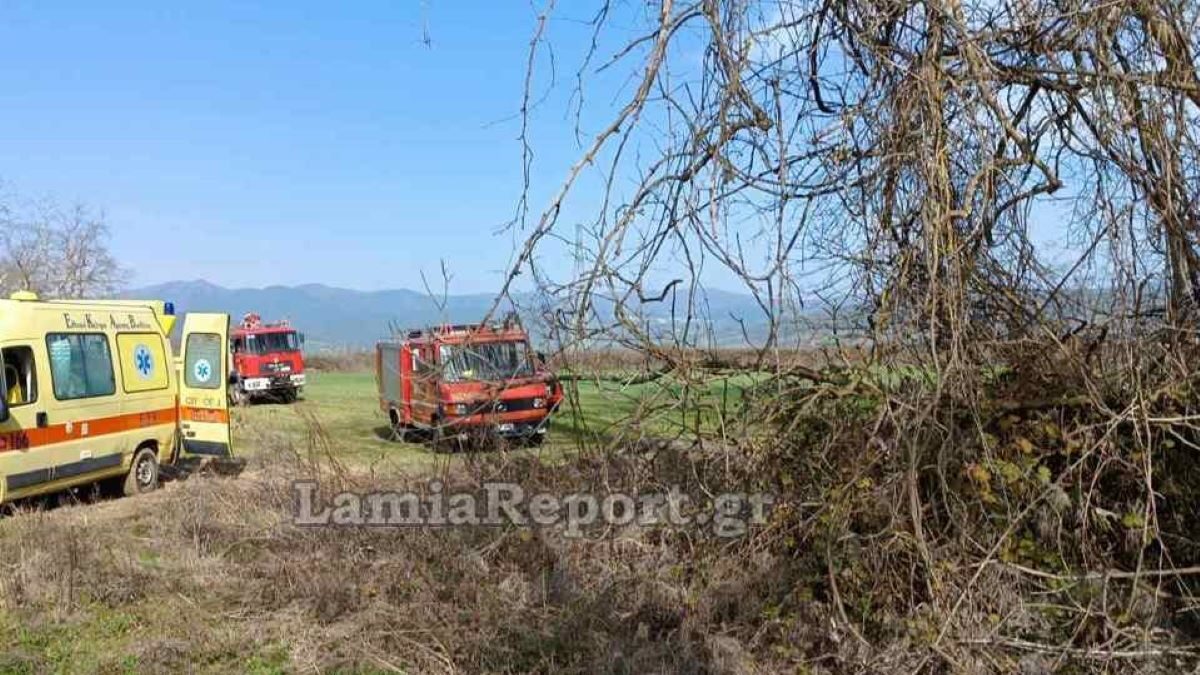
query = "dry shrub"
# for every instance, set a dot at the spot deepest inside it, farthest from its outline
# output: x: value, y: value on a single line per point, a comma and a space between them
x: 1045, y: 513
x: 346, y: 361
x: 590, y: 363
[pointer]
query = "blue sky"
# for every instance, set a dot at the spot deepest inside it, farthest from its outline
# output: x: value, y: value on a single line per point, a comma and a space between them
x: 300, y: 142
x: 288, y: 143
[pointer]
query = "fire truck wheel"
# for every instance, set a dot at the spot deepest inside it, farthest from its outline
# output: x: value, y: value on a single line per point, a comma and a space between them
x: 399, y: 432
x: 143, y: 473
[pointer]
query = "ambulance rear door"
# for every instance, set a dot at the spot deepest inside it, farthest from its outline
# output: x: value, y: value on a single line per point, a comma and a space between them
x: 204, y: 387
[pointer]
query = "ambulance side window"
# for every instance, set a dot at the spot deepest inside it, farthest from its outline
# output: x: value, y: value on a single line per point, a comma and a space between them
x: 203, y: 361
x: 20, y: 376
x: 80, y: 365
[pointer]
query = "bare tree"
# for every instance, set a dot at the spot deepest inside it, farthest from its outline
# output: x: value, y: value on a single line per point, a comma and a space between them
x: 57, y: 252
x: 911, y: 160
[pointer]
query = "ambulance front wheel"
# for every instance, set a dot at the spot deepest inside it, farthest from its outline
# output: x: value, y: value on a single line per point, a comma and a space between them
x: 143, y: 473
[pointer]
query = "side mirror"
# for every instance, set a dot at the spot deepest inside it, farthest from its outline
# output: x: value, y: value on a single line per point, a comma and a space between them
x: 3, y: 410
x: 301, y: 339
x: 541, y: 357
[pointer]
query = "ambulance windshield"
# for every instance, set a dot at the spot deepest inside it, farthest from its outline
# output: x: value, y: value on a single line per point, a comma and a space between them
x: 486, y: 361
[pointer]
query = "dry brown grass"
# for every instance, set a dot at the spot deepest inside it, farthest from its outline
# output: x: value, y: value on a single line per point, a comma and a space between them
x: 209, y: 574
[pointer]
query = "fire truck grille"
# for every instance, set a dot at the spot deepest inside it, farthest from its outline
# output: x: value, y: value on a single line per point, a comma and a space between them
x: 501, y: 406
x: 282, y: 366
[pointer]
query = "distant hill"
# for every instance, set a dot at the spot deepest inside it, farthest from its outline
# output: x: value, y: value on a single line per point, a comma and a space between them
x: 333, y: 317
x: 339, y: 317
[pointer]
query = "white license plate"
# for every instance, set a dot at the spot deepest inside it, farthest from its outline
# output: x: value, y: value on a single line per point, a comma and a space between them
x: 506, y: 427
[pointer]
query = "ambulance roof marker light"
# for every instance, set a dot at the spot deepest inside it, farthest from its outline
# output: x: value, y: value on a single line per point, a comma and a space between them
x: 24, y: 296
x: 167, y: 321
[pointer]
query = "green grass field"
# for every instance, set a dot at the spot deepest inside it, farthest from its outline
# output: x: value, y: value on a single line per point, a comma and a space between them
x: 346, y: 408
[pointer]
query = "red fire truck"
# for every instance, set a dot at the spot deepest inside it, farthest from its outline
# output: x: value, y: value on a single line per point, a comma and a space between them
x: 455, y: 381
x: 267, y: 360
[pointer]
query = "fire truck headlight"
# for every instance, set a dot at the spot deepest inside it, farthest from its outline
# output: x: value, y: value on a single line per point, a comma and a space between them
x: 539, y: 403
x: 460, y: 409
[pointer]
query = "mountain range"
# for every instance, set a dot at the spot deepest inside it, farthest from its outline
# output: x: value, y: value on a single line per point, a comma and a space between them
x: 343, y: 318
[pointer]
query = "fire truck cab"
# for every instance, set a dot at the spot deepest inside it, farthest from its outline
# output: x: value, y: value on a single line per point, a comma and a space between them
x: 92, y: 393
x: 452, y: 380
x: 267, y: 360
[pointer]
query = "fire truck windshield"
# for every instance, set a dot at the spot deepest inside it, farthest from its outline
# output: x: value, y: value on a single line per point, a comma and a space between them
x: 264, y: 343
x: 485, y: 361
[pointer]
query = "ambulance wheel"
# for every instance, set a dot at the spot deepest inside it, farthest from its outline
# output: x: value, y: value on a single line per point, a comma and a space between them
x: 143, y: 473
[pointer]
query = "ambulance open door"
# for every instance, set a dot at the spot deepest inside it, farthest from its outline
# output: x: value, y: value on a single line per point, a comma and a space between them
x: 204, y: 387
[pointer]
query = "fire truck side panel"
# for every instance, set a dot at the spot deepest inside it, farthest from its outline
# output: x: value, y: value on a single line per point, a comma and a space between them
x: 387, y: 367
x: 404, y: 364
x: 379, y: 377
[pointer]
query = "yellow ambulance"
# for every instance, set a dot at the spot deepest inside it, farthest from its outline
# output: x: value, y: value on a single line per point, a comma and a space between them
x: 91, y: 393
